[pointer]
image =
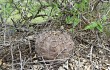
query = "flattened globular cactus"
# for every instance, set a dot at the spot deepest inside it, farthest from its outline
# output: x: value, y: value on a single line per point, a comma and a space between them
x: 54, y: 45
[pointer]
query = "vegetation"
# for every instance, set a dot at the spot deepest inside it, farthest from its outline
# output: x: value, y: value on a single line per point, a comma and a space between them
x: 27, y: 12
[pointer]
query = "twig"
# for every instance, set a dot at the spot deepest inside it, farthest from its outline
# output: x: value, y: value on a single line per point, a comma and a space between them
x: 20, y: 59
x: 12, y: 56
x: 85, y: 19
x: 91, y: 56
x: 4, y: 34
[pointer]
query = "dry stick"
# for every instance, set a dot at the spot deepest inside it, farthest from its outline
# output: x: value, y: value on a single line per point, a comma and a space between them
x: 103, y: 47
x: 30, y: 50
x: 5, y: 26
x: 78, y: 63
x: 36, y: 63
x: 12, y: 56
x: 5, y: 34
x: 108, y: 11
x: 20, y: 58
x: 91, y: 56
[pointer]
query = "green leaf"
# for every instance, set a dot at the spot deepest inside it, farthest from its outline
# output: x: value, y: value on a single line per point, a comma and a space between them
x: 10, y: 1
x: 55, y: 10
x: 71, y: 30
x: 76, y: 21
x: 100, y: 27
x: 95, y: 24
x: 91, y: 26
x: 69, y: 20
